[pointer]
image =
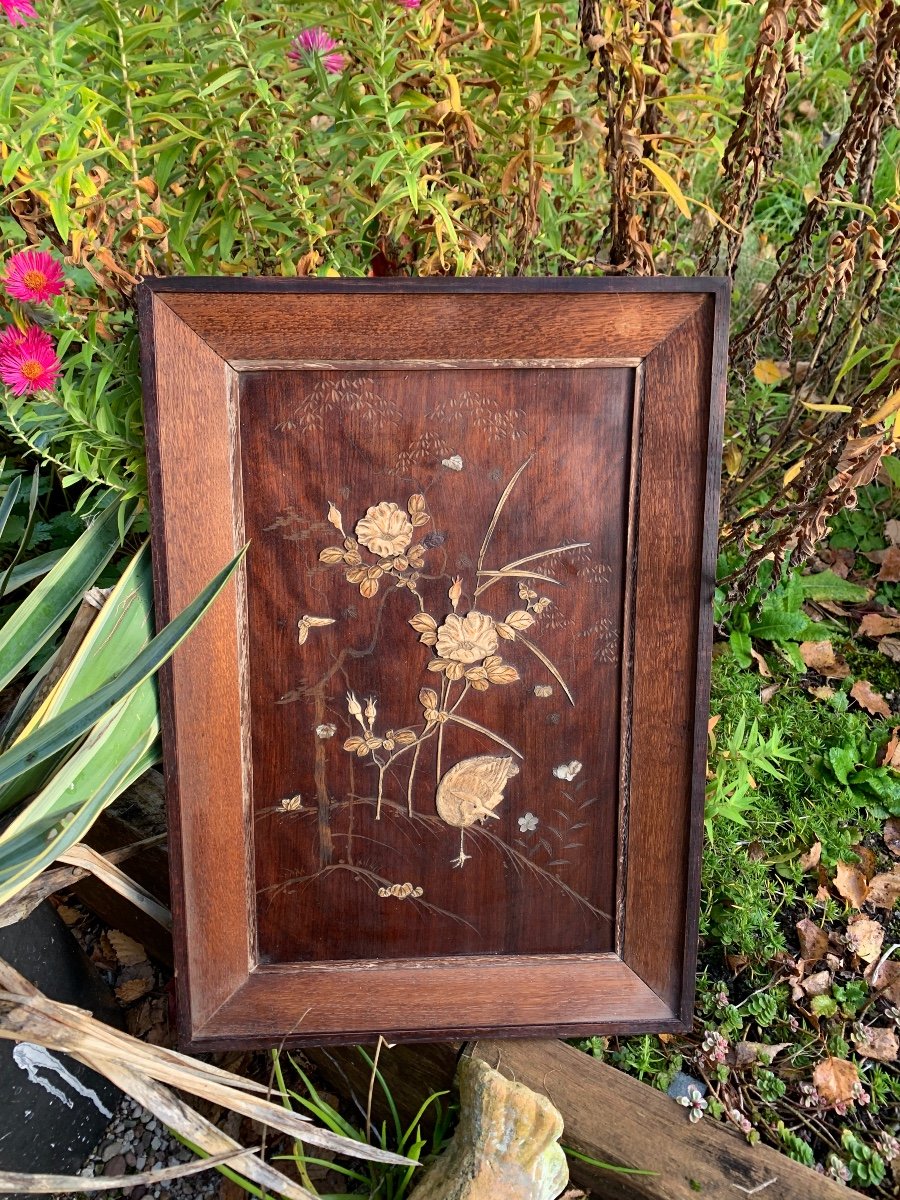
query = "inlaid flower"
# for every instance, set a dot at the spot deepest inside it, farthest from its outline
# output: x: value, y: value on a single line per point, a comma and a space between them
x: 528, y: 822
x: 386, y: 530
x: 468, y: 639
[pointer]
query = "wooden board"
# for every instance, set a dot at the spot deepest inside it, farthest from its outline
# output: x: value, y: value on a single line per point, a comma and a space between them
x: 434, y: 762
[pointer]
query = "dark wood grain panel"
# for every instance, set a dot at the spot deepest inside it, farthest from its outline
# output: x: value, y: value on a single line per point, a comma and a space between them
x: 191, y: 460
x: 454, y: 324
x: 570, y: 430
x: 673, y: 582
x: 432, y: 999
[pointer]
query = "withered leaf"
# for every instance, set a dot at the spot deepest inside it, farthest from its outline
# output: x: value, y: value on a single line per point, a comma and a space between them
x: 813, y: 940
x: 876, y: 625
x: 850, y: 884
x: 892, y: 531
x: 890, y: 646
x: 877, y: 1042
x: 133, y: 989
x: 884, y: 890
x: 892, y: 835
x: 890, y: 565
x: 866, y: 697
x: 867, y: 860
x: 864, y: 937
x: 884, y: 977
x: 127, y: 950
x: 812, y: 857
x: 836, y: 1080
x: 761, y: 663
x: 820, y: 656
x: 818, y: 984
x: 747, y: 1054
x: 822, y: 693
x: 892, y: 751
x: 766, y: 693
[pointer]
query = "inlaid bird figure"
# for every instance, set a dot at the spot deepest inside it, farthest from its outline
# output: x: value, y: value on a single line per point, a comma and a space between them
x: 470, y: 791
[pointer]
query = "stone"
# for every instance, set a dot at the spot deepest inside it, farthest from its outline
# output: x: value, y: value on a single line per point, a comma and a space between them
x: 506, y: 1145
x: 111, y: 1151
x: 115, y: 1166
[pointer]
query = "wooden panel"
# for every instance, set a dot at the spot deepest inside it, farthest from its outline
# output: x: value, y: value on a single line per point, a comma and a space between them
x: 548, y: 849
x: 416, y: 405
x: 453, y: 324
x: 191, y: 459
x: 434, y: 998
x: 674, y: 582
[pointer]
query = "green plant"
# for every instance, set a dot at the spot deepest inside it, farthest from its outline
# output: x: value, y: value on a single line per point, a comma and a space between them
x: 744, y: 755
x: 866, y: 1165
x: 375, y: 1178
x: 87, y: 725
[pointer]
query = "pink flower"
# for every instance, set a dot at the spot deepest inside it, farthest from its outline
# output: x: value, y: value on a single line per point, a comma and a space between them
x: 33, y: 275
x: 11, y: 338
x: 28, y: 362
x: 18, y: 11
x: 313, y: 42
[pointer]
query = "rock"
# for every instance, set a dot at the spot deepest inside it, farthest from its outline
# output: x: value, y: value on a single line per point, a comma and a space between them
x: 111, y: 1151
x: 506, y: 1146
x: 115, y: 1166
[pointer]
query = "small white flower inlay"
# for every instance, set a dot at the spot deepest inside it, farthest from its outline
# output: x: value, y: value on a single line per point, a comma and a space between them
x: 528, y: 823
x: 543, y: 690
x: 454, y: 463
x: 567, y: 771
x: 326, y: 731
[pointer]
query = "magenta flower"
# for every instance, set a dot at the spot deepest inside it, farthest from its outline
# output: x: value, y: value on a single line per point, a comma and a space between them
x: 315, y: 42
x: 33, y: 275
x: 11, y: 338
x: 28, y: 362
x: 17, y: 11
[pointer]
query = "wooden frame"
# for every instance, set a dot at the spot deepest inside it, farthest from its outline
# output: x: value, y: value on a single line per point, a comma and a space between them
x: 203, y: 341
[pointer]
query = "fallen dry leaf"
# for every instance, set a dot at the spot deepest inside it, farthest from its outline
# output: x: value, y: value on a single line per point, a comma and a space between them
x: 866, y: 697
x: 822, y: 693
x: 867, y: 860
x: 890, y: 646
x: 766, y: 693
x: 892, y: 532
x: 764, y: 666
x: 812, y: 857
x: 127, y: 950
x: 813, y: 941
x: 892, y: 835
x: 892, y: 750
x: 133, y: 989
x: 864, y: 937
x: 884, y: 977
x: 818, y: 984
x: 820, y: 656
x: 884, y: 890
x: 877, y: 1042
x: 836, y: 1080
x: 850, y: 883
x: 876, y: 625
x: 746, y: 1054
x: 890, y: 566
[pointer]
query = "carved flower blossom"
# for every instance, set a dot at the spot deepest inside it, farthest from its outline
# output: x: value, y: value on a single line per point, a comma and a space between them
x: 385, y: 529
x: 467, y: 639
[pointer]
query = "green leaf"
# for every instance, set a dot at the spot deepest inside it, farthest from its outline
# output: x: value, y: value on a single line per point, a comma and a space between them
x: 825, y: 585
x: 62, y: 730
x: 778, y: 625
x: 842, y: 760
x: 40, y: 615
x: 741, y: 646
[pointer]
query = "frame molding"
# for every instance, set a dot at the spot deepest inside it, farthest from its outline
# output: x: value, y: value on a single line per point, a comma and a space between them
x: 198, y: 335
